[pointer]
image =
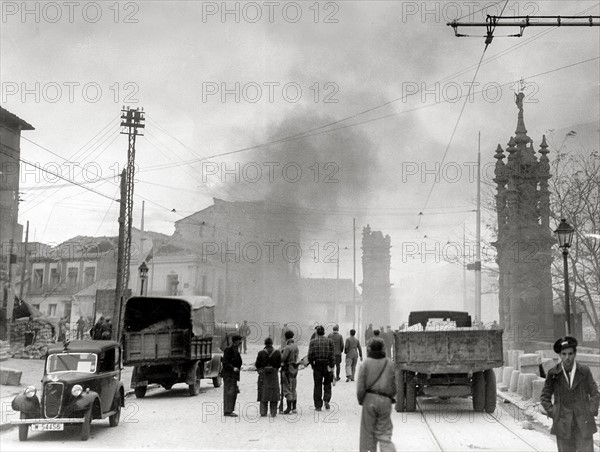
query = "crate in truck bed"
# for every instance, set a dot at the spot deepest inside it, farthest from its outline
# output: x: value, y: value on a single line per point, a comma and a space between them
x: 164, y: 346
x: 451, y: 351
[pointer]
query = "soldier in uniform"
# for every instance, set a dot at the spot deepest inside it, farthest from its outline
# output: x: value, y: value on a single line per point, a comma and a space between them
x: 576, y: 400
x: 289, y: 372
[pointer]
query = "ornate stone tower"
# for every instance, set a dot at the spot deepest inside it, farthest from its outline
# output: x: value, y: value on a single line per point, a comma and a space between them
x: 376, y: 278
x: 524, y: 240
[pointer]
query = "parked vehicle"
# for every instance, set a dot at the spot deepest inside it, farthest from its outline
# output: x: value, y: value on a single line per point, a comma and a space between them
x: 446, y: 359
x: 169, y: 340
x: 81, y: 383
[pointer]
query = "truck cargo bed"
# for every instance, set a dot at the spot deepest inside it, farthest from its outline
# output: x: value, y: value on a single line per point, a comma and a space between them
x: 164, y: 346
x: 451, y: 351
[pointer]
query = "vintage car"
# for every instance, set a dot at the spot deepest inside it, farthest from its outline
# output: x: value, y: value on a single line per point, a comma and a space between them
x: 81, y: 382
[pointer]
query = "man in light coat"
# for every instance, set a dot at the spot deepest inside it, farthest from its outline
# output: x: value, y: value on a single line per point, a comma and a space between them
x: 338, y: 348
x: 352, y: 350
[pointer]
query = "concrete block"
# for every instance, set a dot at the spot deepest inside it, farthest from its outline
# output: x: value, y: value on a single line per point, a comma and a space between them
x: 513, y: 358
x: 527, y: 385
x: 547, y: 354
x: 503, y: 388
x: 536, y: 389
x: 498, y: 372
x: 547, y: 364
x: 533, y: 369
x: 506, y: 373
x: 530, y: 359
x: 592, y: 361
x: 10, y: 377
x: 514, y: 381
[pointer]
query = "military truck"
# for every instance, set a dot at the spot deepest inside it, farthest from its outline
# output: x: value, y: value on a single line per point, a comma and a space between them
x: 441, y: 354
x: 169, y: 340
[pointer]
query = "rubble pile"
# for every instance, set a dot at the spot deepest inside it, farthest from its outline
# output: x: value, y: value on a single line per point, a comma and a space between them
x: 30, y: 339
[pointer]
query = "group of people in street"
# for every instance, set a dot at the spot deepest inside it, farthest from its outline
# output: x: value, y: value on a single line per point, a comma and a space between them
x: 102, y: 330
x: 387, y: 335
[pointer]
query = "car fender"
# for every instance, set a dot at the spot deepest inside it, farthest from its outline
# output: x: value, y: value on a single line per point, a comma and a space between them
x: 29, y: 405
x: 212, y: 367
x: 85, y: 400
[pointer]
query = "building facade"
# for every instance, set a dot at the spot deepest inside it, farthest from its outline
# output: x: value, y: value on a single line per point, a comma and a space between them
x: 376, y: 277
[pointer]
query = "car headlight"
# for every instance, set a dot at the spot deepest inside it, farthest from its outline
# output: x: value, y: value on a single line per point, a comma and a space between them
x: 30, y: 391
x: 76, y: 391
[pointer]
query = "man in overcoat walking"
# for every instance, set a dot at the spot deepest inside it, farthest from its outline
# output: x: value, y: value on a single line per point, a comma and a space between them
x: 576, y: 400
x: 232, y: 363
x: 267, y: 365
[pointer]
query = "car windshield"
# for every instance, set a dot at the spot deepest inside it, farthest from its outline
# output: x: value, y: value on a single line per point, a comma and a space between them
x: 72, y: 362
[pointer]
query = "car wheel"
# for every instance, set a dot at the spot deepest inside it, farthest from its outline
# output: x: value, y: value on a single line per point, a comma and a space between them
x: 87, y: 424
x: 23, y: 429
x: 217, y: 381
x: 490, y: 390
x: 478, y: 392
x: 115, y: 418
x: 140, y: 391
x: 194, y: 389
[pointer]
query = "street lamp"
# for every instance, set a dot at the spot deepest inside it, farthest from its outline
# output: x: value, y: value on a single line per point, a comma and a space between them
x: 143, y: 269
x: 564, y: 232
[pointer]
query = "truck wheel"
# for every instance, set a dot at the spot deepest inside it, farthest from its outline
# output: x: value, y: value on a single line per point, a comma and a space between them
x: 115, y: 418
x: 140, y: 391
x: 490, y: 390
x: 194, y: 389
x: 23, y: 429
x: 217, y: 381
x: 87, y: 424
x: 411, y: 393
x: 400, y: 396
x: 478, y: 392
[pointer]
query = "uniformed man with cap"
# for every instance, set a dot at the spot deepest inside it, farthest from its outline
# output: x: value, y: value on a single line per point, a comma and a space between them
x: 575, y: 402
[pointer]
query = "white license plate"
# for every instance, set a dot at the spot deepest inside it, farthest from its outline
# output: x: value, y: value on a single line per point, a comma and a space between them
x: 48, y: 427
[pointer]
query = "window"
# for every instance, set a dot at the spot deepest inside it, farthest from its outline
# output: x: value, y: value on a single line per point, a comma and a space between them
x: 54, y: 277
x: 72, y: 277
x: 38, y: 278
x: 89, y: 276
x: 172, y: 284
x: 52, y: 310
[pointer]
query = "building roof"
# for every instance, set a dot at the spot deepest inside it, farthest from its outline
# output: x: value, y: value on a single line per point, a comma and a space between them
x: 328, y: 290
x: 6, y: 117
x: 101, y: 284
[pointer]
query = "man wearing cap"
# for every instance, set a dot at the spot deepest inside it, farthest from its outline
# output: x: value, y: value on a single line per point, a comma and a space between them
x: 576, y: 399
x: 232, y: 362
x: 338, y: 348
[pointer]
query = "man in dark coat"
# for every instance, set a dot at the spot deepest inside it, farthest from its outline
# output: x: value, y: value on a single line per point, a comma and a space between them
x: 267, y: 365
x: 232, y: 363
x: 96, y: 331
x: 107, y: 330
x: 338, y: 348
x: 576, y: 400
x: 320, y: 357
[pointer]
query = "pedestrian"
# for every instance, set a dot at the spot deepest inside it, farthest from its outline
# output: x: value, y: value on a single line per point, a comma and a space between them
x: 376, y: 335
x: 96, y: 331
x: 283, y: 339
x: 106, y: 330
x: 244, y: 332
x: 576, y: 399
x: 62, y: 329
x: 289, y: 372
x: 267, y: 365
x: 388, y: 338
x: 375, y: 390
x: 320, y: 357
x: 338, y: 348
x: 352, y: 350
x: 232, y: 363
x: 81, y: 323
x: 369, y: 332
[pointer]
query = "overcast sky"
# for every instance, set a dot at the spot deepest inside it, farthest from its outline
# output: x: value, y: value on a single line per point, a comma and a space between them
x: 377, y: 84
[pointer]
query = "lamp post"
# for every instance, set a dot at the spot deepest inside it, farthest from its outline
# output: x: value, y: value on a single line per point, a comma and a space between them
x: 143, y: 269
x: 564, y: 232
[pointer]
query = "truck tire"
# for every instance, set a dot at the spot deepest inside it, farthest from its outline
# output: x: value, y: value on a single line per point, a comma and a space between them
x: 400, y: 395
x: 86, y: 425
x: 140, y: 391
x: 478, y: 392
x: 217, y: 381
x: 490, y: 390
x: 23, y: 429
x: 411, y: 393
x: 194, y: 388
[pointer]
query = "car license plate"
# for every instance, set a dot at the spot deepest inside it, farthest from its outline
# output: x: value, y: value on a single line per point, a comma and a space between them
x: 48, y: 427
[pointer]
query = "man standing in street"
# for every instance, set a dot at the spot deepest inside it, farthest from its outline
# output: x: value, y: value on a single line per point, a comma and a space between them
x: 352, y: 350
x: 267, y: 365
x: 320, y: 357
x: 232, y: 363
x: 244, y: 332
x: 80, y: 327
x: 375, y: 390
x: 576, y: 400
x: 289, y: 372
x: 338, y: 348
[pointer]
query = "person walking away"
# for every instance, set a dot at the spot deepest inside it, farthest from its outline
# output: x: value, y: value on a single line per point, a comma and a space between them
x: 338, y: 348
x: 352, y: 350
x: 232, y: 364
x: 267, y: 365
x: 375, y: 390
x: 244, y: 332
x: 289, y: 372
x: 80, y: 327
x: 320, y: 357
x: 376, y: 335
x: 576, y: 400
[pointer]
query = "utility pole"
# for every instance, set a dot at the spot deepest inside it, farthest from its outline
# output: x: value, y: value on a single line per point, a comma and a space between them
x: 132, y: 119
x: 354, y: 325
x: 478, y: 237
x: 23, y: 269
